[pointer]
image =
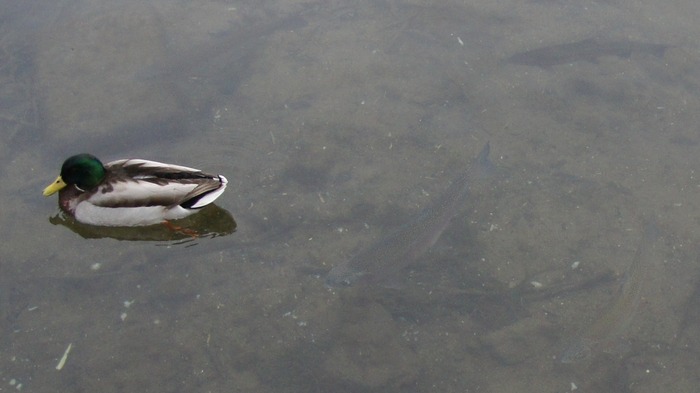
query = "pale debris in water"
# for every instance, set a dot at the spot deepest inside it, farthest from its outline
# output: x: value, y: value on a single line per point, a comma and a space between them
x: 573, y: 386
x: 536, y: 284
x: 62, y: 362
x: 16, y: 384
x: 575, y: 265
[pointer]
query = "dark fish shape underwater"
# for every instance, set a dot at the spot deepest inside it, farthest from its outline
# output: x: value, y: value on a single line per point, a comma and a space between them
x: 391, y: 254
x: 615, y: 322
x: 587, y: 50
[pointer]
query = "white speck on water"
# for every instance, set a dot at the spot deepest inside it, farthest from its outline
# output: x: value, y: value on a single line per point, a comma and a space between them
x: 536, y: 284
x: 122, y: 316
x: 62, y: 362
x: 575, y: 265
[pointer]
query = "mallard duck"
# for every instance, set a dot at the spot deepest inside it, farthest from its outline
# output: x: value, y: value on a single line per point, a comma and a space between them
x: 132, y: 192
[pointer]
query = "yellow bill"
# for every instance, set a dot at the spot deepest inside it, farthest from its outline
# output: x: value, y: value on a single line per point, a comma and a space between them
x: 54, y: 187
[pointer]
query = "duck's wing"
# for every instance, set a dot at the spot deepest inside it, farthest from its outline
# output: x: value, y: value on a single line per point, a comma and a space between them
x: 135, y: 182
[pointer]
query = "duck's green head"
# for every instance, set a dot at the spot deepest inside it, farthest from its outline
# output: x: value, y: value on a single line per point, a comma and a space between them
x: 84, y: 171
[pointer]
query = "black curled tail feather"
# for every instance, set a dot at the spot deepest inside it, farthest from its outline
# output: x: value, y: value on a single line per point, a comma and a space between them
x: 215, y: 186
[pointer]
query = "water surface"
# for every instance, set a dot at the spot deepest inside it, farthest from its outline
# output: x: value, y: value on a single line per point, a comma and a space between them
x: 333, y: 123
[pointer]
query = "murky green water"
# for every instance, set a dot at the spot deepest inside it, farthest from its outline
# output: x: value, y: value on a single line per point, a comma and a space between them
x: 334, y: 123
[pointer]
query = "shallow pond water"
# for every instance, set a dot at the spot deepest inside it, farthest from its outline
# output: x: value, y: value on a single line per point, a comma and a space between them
x: 335, y: 122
